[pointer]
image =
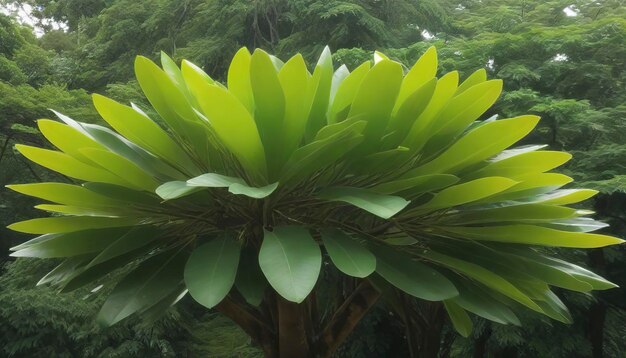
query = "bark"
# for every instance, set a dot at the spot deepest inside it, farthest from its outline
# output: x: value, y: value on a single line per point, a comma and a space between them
x: 292, y: 333
x: 347, y: 316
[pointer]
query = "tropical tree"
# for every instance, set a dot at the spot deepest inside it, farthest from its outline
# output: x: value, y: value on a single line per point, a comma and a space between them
x: 383, y: 182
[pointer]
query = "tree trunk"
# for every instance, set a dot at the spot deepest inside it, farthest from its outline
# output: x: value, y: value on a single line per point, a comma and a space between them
x: 284, y: 329
x: 292, y: 337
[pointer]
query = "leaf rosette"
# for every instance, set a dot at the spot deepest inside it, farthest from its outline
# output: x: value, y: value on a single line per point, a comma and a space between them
x: 389, y: 174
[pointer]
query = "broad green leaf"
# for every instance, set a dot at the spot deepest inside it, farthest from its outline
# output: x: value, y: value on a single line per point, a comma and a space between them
x: 554, y: 308
x: 576, y: 224
x: 122, y: 167
x: 269, y: 112
x: 68, y: 139
x: 356, y: 124
x: 291, y: 261
x: 66, y: 224
x: 350, y: 257
x: 524, y: 164
x: 401, y: 241
x: 459, y: 318
x: 384, y: 206
x: 482, y: 275
x: 412, y: 277
x: 213, y: 180
x: 477, y: 301
x: 338, y: 77
x: 154, y: 279
x: 72, y: 244
x: 66, y: 165
x: 467, y: 192
x: 84, y: 211
x: 176, y: 189
x: 424, y: 70
x: 234, y: 126
x: 64, y: 194
x: 64, y: 270
x: 460, y: 112
x: 566, y: 196
x: 123, y: 194
x: 250, y: 281
x: 164, y: 95
x: 416, y: 185
x: 211, y: 270
x: 294, y: 79
x: 88, y: 275
x: 189, y: 69
x: 253, y: 192
x: 346, y: 92
x: 135, y: 238
x: 444, y: 90
x: 533, y: 235
x: 321, y: 153
x: 475, y: 78
x: 408, y: 112
x: 143, y: 131
x: 318, y: 93
x: 479, y: 144
x: 521, y: 213
x: 239, y: 79
x: 375, y: 99
x: 120, y: 145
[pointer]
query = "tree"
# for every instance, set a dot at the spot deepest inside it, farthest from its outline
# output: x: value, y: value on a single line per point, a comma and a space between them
x: 390, y: 174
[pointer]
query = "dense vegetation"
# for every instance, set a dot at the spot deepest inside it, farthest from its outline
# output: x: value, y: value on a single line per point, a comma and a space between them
x: 568, y: 69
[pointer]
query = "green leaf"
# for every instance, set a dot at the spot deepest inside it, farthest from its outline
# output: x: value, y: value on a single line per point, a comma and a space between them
x: 234, y: 185
x: 524, y: 164
x: 154, y: 279
x: 477, y: 301
x: 211, y: 270
x: 253, y: 192
x: 467, y: 192
x: 72, y: 244
x: 424, y: 70
x: 233, y: 124
x: 293, y: 78
x: 133, y: 239
x: 384, y: 206
x: 479, y: 144
x: 65, y: 194
x: 479, y: 76
x: 213, y: 180
x: 346, y: 92
x: 66, y: 165
x: 533, y: 235
x: 64, y: 224
x: 350, y: 257
x: 460, y: 112
x: 460, y: 319
x: 239, y: 79
x: 375, y: 100
x: 318, y: 93
x: 523, y: 213
x: 408, y: 112
x: 291, y: 261
x: 122, y: 167
x: 68, y: 139
x: 143, y: 131
x: 176, y: 189
x: 482, y: 275
x: 444, y: 90
x: 411, y: 276
x: 269, y: 112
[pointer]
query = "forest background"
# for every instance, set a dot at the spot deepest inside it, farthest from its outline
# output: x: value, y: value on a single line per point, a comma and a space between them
x: 562, y: 60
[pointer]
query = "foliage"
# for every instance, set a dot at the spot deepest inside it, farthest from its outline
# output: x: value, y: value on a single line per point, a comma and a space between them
x: 555, y: 62
x: 391, y: 173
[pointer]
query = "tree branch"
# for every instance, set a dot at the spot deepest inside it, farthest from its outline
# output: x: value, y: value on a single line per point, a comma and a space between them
x: 347, y: 316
